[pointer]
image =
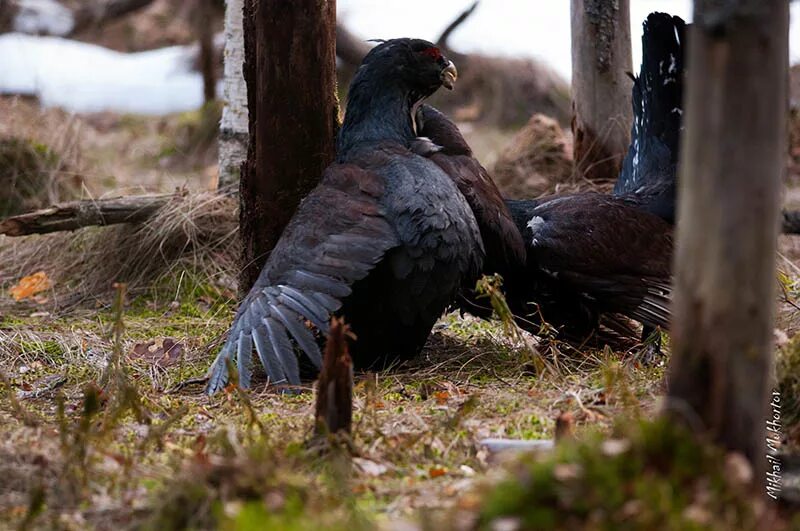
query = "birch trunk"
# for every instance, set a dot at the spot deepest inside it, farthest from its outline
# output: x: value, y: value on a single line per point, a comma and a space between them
x: 234, y: 125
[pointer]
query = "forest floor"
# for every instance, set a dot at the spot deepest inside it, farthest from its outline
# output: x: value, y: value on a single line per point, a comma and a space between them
x: 104, y: 426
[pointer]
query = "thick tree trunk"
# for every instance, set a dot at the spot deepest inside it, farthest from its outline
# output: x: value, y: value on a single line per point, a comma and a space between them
x: 290, y: 70
x: 601, y: 101
x: 730, y: 176
x: 234, y: 124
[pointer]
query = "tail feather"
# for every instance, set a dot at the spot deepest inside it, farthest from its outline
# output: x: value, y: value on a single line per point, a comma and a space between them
x: 654, y: 310
x: 651, y: 163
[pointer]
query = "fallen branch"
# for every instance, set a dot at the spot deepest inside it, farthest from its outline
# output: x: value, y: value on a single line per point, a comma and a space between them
x: 77, y: 214
x: 136, y: 209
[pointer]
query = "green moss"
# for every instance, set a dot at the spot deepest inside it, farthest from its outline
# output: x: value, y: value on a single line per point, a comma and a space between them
x: 647, y: 478
x: 49, y: 348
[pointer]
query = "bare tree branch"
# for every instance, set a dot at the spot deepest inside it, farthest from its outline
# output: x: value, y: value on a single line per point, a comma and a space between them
x: 349, y: 48
x: 442, y: 40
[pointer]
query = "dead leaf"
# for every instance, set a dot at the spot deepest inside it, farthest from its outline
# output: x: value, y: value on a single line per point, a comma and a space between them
x: 441, y: 397
x: 436, y: 472
x: 166, y: 355
x: 30, y: 286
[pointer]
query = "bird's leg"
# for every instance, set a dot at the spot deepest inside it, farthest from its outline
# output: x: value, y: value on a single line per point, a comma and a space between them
x: 651, y: 341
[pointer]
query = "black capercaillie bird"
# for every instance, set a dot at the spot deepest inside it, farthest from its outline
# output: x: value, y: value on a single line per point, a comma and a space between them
x: 590, y: 255
x: 564, y: 259
x: 386, y: 239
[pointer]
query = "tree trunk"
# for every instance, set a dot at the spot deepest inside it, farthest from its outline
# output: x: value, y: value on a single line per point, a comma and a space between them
x: 233, y: 126
x: 601, y: 102
x: 730, y: 177
x: 290, y: 70
x: 204, y: 30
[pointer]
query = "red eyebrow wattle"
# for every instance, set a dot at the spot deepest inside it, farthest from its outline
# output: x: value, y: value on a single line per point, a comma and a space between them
x: 432, y: 52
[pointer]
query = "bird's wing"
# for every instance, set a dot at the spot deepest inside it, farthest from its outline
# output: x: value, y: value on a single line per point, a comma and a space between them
x: 598, y: 234
x: 338, y: 234
x: 501, y: 238
x: 614, y: 254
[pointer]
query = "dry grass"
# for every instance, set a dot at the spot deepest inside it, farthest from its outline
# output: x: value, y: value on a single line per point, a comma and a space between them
x: 120, y: 154
x: 537, y: 161
x: 416, y: 428
x: 149, y: 453
x: 192, y: 237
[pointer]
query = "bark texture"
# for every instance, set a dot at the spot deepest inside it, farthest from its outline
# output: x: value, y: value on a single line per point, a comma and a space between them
x: 233, y: 126
x: 204, y: 12
x: 290, y: 71
x: 601, y: 59
x: 730, y: 177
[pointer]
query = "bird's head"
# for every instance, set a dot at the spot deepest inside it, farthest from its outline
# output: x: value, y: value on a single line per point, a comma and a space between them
x: 414, y: 65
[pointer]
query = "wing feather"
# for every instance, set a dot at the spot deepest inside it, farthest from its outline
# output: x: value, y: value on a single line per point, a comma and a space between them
x: 338, y: 234
x: 245, y: 358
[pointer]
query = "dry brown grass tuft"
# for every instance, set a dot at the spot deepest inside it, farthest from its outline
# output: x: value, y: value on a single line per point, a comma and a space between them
x: 41, y: 158
x: 194, y: 234
x: 537, y: 161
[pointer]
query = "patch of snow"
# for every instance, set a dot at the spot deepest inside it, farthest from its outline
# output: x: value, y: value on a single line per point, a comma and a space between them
x: 84, y: 77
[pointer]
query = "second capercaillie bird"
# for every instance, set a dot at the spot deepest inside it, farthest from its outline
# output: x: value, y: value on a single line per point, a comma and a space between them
x: 592, y: 255
x: 385, y: 240
x: 585, y: 255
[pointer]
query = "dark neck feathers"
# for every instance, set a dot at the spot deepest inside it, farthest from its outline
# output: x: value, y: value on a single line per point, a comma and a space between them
x: 378, y: 110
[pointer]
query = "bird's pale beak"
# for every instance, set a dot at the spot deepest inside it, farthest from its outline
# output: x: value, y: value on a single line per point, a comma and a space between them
x: 449, y: 75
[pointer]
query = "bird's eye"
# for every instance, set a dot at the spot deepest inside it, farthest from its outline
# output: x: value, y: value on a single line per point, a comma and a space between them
x: 432, y: 52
